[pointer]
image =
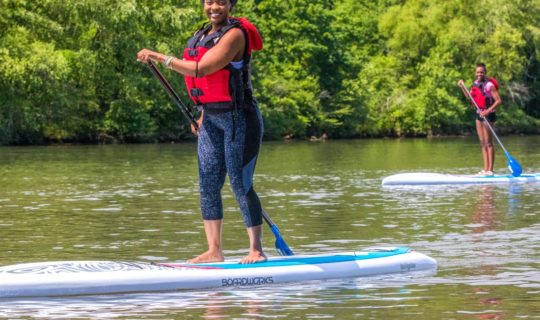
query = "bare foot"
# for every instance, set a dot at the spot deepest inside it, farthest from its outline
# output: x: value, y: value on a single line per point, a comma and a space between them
x: 254, y: 257
x: 208, y: 256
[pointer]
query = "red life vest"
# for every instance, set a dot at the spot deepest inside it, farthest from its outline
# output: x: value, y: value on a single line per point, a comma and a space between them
x: 228, y: 87
x: 479, y: 94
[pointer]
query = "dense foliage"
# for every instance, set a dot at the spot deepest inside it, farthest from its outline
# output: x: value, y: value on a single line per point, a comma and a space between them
x: 345, y: 68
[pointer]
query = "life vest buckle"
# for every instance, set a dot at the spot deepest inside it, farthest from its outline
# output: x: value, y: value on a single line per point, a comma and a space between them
x: 196, y: 92
x: 193, y: 52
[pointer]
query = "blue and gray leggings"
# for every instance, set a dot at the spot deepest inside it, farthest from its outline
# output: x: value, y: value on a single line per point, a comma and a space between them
x: 229, y: 143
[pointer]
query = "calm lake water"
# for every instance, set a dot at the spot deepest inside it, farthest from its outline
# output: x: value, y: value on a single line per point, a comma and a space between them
x: 140, y: 202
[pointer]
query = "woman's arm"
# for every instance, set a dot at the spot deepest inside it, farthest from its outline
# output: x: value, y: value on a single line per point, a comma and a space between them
x: 229, y: 48
x: 496, y: 103
x: 496, y: 97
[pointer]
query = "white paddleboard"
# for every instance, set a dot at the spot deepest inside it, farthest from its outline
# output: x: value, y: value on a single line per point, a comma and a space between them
x: 107, y: 277
x: 423, y: 178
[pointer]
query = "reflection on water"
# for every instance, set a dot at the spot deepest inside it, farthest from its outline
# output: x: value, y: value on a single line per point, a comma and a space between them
x: 514, y: 191
x: 485, y: 219
x: 485, y: 215
x: 141, y: 203
x: 282, y: 302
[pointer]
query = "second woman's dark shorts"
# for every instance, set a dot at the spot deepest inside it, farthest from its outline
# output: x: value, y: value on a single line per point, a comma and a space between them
x: 492, y: 117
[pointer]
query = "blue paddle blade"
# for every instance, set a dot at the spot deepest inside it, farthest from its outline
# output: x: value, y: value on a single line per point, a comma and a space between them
x: 281, y: 246
x: 514, y: 166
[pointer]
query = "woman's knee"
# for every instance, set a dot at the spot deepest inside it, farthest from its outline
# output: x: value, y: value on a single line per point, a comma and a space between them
x: 238, y: 189
x: 486, y: 143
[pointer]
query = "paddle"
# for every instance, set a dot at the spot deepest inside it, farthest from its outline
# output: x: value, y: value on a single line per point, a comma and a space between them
x: 513, y: 164
x: 167, y: 86
x: 281, y: 246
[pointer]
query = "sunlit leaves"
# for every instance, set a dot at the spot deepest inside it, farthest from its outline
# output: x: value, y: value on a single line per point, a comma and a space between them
x: 346, y: 68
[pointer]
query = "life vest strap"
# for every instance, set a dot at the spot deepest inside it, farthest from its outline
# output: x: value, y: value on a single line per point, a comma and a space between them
x: 216, y: 107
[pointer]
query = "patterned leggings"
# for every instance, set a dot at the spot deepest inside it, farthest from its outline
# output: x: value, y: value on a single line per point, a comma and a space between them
x: 229, y: 143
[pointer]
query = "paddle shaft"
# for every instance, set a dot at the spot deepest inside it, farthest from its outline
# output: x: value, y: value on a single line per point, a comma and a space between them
x: 176, y: 99
x: 266, y: 218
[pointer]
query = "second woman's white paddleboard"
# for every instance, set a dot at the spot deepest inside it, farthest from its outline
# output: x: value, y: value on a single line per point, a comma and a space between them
x: 420, y: 178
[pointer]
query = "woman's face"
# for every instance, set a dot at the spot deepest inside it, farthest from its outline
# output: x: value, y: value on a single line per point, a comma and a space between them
x: 480, y: 73
x: 217, y: 11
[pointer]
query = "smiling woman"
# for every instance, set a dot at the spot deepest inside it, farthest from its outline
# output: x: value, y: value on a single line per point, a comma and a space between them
x: 216, y: 69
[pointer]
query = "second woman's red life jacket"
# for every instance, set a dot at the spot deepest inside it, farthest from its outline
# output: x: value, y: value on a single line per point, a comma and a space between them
x: 482, y: 98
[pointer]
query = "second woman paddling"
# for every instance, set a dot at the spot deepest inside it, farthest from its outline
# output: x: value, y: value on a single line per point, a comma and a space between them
x: 487, y: 99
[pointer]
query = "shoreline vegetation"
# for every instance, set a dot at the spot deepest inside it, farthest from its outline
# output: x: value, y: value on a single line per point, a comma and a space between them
x: 329, y: 70
x: 287, y: 139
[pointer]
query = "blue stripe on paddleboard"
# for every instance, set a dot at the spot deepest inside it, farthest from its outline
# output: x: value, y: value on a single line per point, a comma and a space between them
x: 507, y: 176
x: 294, y: 261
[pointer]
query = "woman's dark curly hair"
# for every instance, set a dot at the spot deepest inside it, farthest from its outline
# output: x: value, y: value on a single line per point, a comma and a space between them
x: 233, y: 2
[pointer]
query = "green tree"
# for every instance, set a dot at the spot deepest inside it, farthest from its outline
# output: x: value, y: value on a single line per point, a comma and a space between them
x: 348, y: 68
